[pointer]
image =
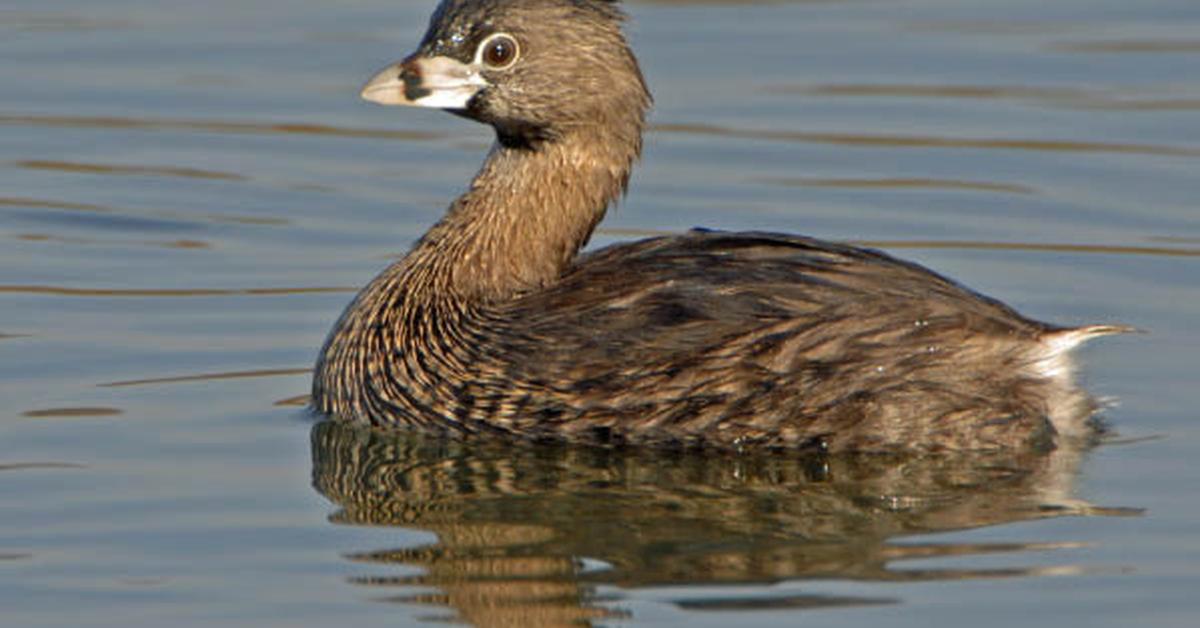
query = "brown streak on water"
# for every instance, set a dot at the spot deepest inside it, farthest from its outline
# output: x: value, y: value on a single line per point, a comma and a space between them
x: 164, y: 292
x: 933, y: 91
x: 297, y: 401
x: 1053, y: 96
x: 779, y: 603
x: 897, y: 183
x: 60, y: 23
x: 33, y: 202
x: 92, y: 168
x: 171, y: 244
x: 70, y: 413
x: 1131, y: 45
x: 1174, y: 239
x: 850, y: 139
x: 994, y: 27
x: 215, y: 126
x: 1108, y: 249
x: 89, y: 207
x: 203, y: 377
x: 22, y: 466
x: 981, y: 245
x: 906, y: 141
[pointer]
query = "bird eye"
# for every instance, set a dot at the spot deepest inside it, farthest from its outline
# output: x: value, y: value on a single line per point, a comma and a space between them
x: 499, y: 51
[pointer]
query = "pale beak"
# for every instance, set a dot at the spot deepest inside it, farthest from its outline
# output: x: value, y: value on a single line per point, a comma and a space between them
x: 439, y: 82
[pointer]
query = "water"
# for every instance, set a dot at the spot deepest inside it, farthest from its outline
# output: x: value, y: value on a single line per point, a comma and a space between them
x: 190, y: 193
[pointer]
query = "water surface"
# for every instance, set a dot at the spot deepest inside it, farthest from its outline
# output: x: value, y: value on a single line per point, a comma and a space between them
x: 191, y: 192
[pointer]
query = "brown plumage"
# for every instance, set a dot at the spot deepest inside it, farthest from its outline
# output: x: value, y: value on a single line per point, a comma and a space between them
x: 492, y: 324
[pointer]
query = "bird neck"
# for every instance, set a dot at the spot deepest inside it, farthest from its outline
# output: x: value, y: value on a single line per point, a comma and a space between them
x: 526, y: 215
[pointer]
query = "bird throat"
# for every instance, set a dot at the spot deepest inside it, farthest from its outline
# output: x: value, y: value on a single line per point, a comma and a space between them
x: 525, y: 217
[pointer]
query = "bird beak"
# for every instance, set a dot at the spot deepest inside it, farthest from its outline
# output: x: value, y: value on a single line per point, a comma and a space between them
x: 439, y: 82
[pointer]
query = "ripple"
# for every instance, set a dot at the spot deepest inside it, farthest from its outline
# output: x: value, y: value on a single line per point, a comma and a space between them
x: 298, y: 401
x: 214, y: 126
x: 898, y: 183
x: 46, y: 204
x: 205, y: 377
x: 1051, y: 96
x: 40, y: 203
x: 1166, y: 104
x: 676, y: 128
x: 512, y: 523
x: 1175, y: 239
x: 994, y: 27
x: 917, y: 141
x: 25, y: 466
x: 701, y: 3
x: 933, y: 91
x: 983, y: 245
x: 71, y: 413
x: 172, y: 244
x: 787, y: 602
x: 59, y: 23
x: 1131, y: 45
x: 122, y: 170
x: 146, y: 582
x: 1107, y: 249
x: 634, y: 233
x: 163, y: 292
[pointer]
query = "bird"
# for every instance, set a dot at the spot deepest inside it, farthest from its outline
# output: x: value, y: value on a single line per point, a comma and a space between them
x: 494, y: 324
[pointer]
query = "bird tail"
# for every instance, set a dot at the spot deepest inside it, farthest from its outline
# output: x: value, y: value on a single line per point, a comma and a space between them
x: 1053, y: 360
x: 1065, y: 339
x: 1071, y: 409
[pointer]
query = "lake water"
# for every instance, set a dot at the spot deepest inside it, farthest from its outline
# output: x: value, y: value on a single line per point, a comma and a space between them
x: 190, y: 192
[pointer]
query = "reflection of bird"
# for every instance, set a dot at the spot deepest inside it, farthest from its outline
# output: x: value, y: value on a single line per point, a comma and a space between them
x: 513, y: 523
x: 492, y: 324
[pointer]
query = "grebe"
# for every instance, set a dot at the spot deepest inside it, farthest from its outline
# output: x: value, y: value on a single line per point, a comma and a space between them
x: 493, y: 322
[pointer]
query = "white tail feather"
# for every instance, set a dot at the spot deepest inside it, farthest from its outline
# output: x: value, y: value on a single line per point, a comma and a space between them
x: 1053, y: 361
